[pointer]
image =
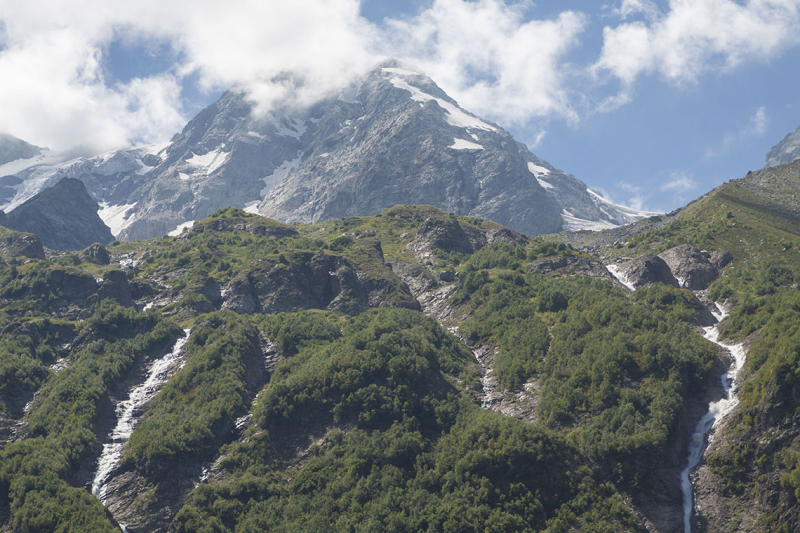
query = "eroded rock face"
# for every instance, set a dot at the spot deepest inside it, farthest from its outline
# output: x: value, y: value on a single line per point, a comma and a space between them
x: 97, y: 254
x: 449, y: 235
x: 75, y: 285
x: 115, y: 287
x: 646, y: 270
x: 691, y: 266
x: 20, y: 244
x: 444, y: 234
x: 314, y: 281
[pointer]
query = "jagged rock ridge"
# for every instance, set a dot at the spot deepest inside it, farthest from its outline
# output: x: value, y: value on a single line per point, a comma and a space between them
x: 393, y: 137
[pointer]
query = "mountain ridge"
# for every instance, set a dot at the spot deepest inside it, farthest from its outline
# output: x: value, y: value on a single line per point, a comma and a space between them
x: 300, y: 165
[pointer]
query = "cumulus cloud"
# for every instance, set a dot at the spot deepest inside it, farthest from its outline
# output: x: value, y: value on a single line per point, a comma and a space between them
x: 493, y: 60
x: 56, y: 90
x: 56, y: 86
x: 694, y: 37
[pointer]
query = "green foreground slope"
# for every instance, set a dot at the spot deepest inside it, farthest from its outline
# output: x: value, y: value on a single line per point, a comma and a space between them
x: 319, y: 392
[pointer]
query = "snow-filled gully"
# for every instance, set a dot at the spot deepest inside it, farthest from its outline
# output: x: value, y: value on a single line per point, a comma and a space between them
x: 128, y: 412
x: 717, y: 410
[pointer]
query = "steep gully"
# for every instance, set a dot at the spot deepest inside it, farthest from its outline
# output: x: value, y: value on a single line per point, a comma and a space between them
x: 717, y: 410
x: 129, y: 412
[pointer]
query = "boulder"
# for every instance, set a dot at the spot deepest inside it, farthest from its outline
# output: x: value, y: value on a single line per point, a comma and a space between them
x: 719, y: 259
x: 97, y: 254
x: 646, y: 270
x: 444, y: 234
x: 690, y: 266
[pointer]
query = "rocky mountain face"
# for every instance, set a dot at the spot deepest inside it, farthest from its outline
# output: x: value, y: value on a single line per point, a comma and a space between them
x: 13, y: 149
x: 785, y: 151
x: 63, y: 216
x: 393, y: 137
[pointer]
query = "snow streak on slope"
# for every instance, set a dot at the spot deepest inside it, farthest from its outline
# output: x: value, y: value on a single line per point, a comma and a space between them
x: 128, y: 412
x: 455, y: 116
x: 116, y: 216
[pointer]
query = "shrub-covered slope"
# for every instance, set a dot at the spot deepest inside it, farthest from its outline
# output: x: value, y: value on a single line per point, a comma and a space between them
x: 359, y: 374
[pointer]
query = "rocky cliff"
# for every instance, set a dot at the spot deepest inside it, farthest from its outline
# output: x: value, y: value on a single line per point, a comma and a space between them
x: 64, y: 217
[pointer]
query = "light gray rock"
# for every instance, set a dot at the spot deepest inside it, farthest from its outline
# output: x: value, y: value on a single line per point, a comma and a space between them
x: 691, y: 266
x: 785, y: 151
x: 12, y: 149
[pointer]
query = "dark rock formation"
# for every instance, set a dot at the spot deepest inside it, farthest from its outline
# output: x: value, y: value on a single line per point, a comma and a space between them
x: 97, y: 254
x: 115, y: 287
x: 74, y: 285
x: 444, y: 234
x: 691, y: 266
x: 646, y: 270
x: 63, y: 216
x: 19, y: 244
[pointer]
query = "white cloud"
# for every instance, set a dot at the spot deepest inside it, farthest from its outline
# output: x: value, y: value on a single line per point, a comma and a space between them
x: 755, y: 127
x: 679, y: 183
x: 694, y: 37
x: 485, y: 53
x: 491, y: 59
x: 55, y: 91
x: 635, y: 193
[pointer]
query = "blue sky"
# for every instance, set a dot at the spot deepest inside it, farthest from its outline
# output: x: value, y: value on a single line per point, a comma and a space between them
x: 652, y: 102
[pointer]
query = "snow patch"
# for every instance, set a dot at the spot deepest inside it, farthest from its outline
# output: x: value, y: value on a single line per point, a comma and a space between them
x: 209, y: 162
x: 155, y: 149
x: 279, y: 174
x: 251, y: 207
x: 455, y: 116
x: 461, y: 144
x: 573, y: 223
x: 537, y: 171
x: 634, y: 214
x: 177, y: 231
x: 117, y: 217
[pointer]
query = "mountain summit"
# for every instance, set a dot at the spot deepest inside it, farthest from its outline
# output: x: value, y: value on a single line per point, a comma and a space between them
x: 392, y: 137
x: 785, y: 151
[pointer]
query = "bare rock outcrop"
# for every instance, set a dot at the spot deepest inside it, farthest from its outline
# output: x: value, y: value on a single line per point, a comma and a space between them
x: 691, y: 266
x: 97, y: 254
x: 646, y: 270
x: 719, y: 259
x: 21, y: 244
